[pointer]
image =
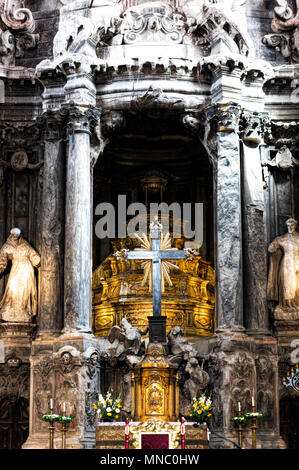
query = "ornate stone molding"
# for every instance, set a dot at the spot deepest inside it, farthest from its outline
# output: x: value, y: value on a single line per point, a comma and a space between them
x: 154, y: 24
x: 14, y: 379
x: 53, y: 124
x: 21, y: 136
x: 280, y: 133
x: 225, y: 117
x: 79, y: 121
x: 16, y: 17
x: 16, y: 31
x: 284, y: 160
x: 286, y: 28
x: 250, y: 130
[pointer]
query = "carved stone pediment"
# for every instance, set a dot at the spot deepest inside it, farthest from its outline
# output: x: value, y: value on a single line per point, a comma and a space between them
x: 214, y: 29
x: 153, y: 23
x: 158, y: 22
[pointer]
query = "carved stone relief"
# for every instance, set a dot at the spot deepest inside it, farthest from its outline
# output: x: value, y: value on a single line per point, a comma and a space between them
x: 43, y: 382
x: 285, y: 26
x: 14, y: 379
x: 265, y: 370
x: 16, y: 31
x: 284, y: 159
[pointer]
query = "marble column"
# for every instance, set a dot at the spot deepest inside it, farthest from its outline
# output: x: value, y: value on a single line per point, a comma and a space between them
x: 224, y: 120
x: 52, y: 226
x: 255, y: 242
x: 78, y: 264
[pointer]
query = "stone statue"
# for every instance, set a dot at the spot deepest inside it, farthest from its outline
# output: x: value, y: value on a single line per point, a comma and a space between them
x: 283, y: 281
x: 19, y: 303
x: 196, y: 381
x: 179, y: 347
x: 124, y: 341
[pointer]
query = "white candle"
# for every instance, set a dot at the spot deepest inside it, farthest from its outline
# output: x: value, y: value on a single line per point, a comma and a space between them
x: 64, y: 409
x: 51, y: 403
x: 239, y: 406
x: 252, y: 401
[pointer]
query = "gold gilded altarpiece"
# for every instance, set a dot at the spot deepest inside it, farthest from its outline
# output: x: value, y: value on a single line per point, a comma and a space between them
x: 119, y: 292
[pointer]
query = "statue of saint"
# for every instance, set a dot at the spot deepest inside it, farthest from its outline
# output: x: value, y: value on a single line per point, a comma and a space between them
x: 283, y: 281
x: 19, y: 303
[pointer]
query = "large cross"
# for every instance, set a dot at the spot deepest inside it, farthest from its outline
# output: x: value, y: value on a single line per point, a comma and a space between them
x: 156, y: 255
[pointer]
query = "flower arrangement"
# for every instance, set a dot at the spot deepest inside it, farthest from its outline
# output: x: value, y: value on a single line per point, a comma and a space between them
x: 201, y: 408
x: 244, y: 418
x: 65, y: 419
x: 253, y: 415
x: 239, y: 419
x: 108, y: 407
x: 49, y: 417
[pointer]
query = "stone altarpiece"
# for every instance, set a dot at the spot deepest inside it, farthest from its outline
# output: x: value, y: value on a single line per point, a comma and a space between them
x: 95, y: 84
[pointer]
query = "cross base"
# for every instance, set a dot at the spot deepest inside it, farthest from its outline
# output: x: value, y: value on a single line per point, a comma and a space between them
x: 157, y: 329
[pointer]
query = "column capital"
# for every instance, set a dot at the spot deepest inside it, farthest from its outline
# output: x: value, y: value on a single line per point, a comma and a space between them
x: 82, y: 119
x: 52, y: 124
x: 251, y: 128
x: 224, y: 117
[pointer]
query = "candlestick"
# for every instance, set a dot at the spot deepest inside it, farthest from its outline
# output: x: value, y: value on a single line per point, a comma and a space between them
x: 253, y: 426
x: 63, y: 434
x: 51, y: 434
x: 183, y: 434
x: 240, y: 427
x: 127, y: 434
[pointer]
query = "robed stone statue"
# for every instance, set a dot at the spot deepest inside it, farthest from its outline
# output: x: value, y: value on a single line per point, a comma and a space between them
x: 19, y: 302
x: 283, y: 281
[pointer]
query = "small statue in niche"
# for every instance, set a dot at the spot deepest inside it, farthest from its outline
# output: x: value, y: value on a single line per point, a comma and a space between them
x: 283, y: 281
x: 19, y: 302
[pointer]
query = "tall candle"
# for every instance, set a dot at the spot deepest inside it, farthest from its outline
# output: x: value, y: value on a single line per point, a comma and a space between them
x: 64, y: 409
x: 252, y: 400
x: 51, y: 403
x: 239, y: 406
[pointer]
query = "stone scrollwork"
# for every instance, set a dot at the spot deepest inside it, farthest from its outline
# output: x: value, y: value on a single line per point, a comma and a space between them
x: 158, y: 23
x: 153, y: 24
x: 16, y: 17
x: 285, y: 27
x: 16, y: 31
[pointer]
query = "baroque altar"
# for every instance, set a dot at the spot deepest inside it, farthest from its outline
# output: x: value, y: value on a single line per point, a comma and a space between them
x: 119, y: 292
